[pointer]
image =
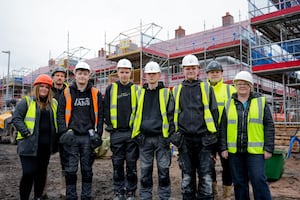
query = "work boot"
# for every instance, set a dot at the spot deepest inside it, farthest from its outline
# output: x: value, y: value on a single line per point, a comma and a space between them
x: 227, y: 192
x: 119, y: 196
x: 130, y: 196
x: 63, y: 187
x: 215, y: 189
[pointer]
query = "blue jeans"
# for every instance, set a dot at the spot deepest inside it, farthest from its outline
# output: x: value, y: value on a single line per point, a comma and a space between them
x: 245, y: 167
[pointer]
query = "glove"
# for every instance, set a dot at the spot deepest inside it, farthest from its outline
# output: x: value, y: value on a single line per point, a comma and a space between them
x: 109, y: 129
x: 67, y: 138
x: 140, y: 139
x: 209, y: 139
x: 177, y: 139
x: 95, y: 139
x: 25, y: 134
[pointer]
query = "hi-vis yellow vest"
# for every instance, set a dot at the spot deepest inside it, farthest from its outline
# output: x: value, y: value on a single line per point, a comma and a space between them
x: 30, y: 116
x: 164, y: 94
x: 113, y: 104
x: 255, y: 130
x: 222, y: 93
x: 210, y: 124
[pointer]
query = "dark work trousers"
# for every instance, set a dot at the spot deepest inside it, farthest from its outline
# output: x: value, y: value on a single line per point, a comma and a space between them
x: 124, y: 149
x: 196, y: 158
x: 63, y: 155
x: 79, y: 151
x: 226, y: 174
x: 160, y: 148
x: 34, y: 173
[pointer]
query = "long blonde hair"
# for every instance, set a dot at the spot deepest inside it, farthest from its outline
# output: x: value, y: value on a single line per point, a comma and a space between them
x: 41, y: 104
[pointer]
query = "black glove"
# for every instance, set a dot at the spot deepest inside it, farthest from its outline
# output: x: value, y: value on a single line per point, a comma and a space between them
x: 140, y: 139
x: 67, y: 138
x: 109, y: 129
x: 209, y: 139
x: 95, y: 139
x: 25, y: 134
x: 177, y: 139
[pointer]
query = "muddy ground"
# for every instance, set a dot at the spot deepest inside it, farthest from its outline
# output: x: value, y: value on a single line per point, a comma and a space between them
x: 286, y: 188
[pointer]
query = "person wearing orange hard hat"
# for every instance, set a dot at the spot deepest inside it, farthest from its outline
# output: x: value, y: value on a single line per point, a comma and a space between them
x: 35, y: 120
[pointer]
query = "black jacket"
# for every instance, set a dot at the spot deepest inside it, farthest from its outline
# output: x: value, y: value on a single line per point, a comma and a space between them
x: 82, y: 115
x: 242, y: 141
x: 29, y: 145
x: 191, y: 117
x: 151, y: 119
x: 57, y: 92
x: 123, y: 106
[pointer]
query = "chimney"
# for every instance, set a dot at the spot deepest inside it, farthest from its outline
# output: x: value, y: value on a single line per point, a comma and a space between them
x: 51, y: 62
x: 101, y: 53
x: 179, y: 33
x: 227, y: 19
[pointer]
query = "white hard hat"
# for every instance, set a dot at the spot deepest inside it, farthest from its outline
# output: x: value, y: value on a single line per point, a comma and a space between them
x: 152, y: 67
x: 82, y: 65
x: 124, y: 63
x: 190, y: 60
x: 244, y: 76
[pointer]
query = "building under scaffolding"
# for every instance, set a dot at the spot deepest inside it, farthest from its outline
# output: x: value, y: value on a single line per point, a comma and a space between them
x: 275, y: 53
x: 268, y: 44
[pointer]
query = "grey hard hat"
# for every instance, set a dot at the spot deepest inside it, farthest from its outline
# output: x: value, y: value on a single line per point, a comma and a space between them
x: 214, y: 66
x: 58, y: 69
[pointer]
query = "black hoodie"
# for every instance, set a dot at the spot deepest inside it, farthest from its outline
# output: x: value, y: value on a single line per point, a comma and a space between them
x: 191, y: 117
x: 151, y: 119
x: 82, y: 115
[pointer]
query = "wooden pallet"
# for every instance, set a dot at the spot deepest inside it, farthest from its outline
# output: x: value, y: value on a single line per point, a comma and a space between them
x: 283, y: 134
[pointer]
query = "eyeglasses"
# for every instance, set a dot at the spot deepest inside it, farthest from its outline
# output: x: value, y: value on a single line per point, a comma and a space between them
x: 242, y: 84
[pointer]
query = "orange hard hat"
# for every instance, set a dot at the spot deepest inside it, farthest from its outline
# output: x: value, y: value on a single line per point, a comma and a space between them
x: 43, y: 79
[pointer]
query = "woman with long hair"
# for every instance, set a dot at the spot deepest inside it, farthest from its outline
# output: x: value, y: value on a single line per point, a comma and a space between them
x: 35, y: 120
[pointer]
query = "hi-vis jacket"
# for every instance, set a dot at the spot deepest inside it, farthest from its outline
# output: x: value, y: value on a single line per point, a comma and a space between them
x: 247, y: 130
x: 223, y: 92
x: 26, y: 118
x: 166, y: 106
x: 111, y: 103
x: 194, y: 105
x: 80, y: 110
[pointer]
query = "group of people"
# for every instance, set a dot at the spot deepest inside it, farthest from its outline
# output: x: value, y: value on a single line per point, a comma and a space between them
x: 202, y: 119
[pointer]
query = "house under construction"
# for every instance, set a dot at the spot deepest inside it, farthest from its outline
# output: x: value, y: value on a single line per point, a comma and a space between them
x: 268, y: 45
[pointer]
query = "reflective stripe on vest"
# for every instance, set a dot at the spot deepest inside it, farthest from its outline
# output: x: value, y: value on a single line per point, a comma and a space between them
x: 204, y: 87
x: 30, y: 116
x: 255, y: 126
x: 113, y: 104
x: 68, y: 109
x: 164, y: 94
x: 222, y: 93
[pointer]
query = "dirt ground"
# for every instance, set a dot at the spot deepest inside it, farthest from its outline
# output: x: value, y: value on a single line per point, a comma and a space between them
x: 286, y: 188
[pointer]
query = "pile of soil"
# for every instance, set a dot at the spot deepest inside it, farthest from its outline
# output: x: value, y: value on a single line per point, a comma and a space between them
x: 286, y: 188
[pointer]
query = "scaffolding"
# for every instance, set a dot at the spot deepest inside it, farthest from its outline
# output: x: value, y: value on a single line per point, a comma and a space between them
x: 275, y: 53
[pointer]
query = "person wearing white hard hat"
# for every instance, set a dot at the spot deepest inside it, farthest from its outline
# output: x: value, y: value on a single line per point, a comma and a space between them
x: 247, y: 138
x: 120, y: 103
x: 196, y: 120
x: 80, y: 126
x: 223, y: 91
x: 152, y: 125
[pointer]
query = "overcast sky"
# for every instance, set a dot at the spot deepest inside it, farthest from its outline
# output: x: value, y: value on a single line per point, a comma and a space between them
x: 35, y: 30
